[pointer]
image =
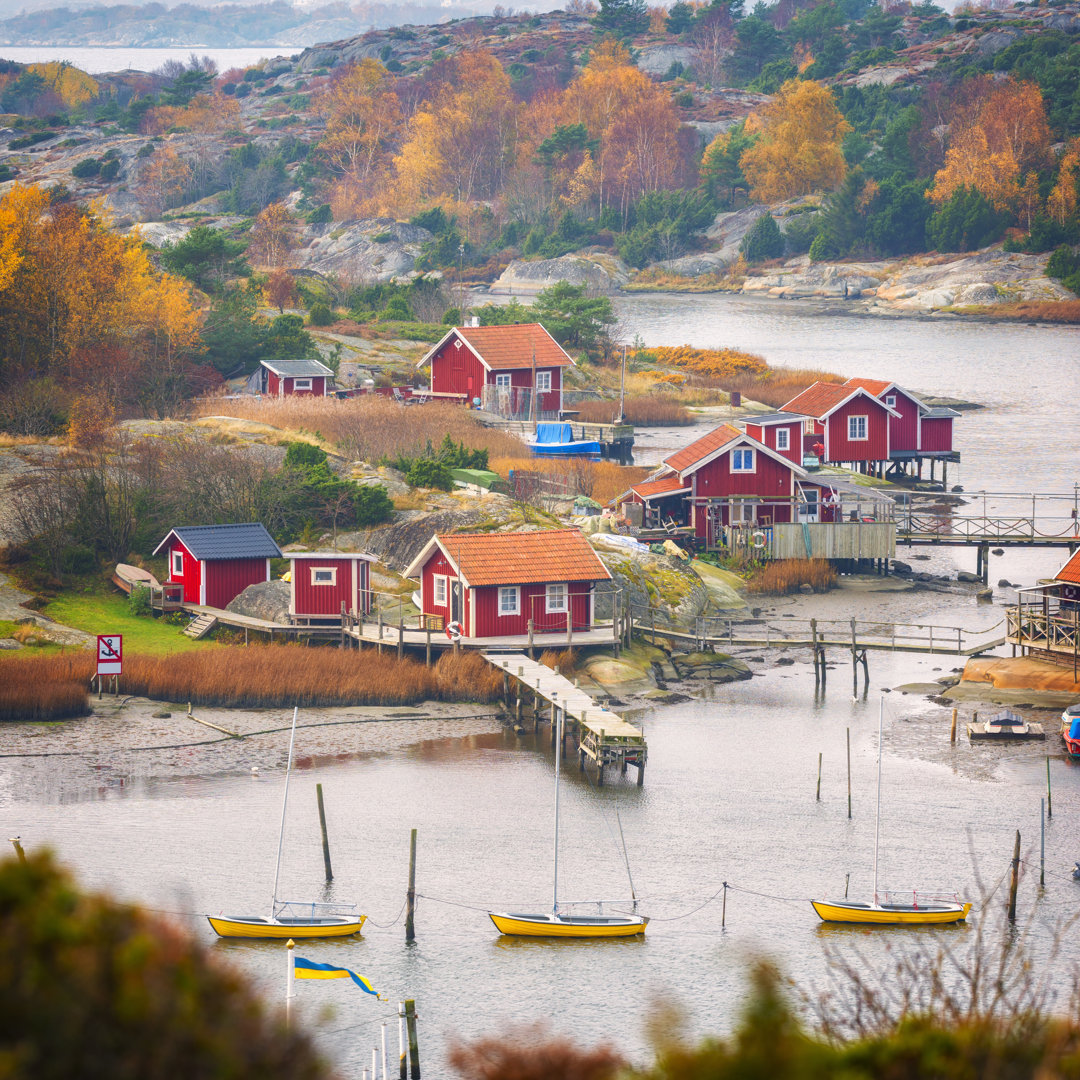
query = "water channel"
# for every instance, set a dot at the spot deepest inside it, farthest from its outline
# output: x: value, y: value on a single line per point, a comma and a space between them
x: 729, y: 794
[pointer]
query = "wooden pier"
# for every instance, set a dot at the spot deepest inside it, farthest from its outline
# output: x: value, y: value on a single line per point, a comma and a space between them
x: 603, y: 737
x: 616, y: 440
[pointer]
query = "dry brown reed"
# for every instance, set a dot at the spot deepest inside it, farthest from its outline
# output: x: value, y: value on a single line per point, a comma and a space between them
x: 655, y: 409
x: 599, y: 480
x: 1052, y: 311
x: 562, y: 660
x: 45, y: 687
x: 788, y: 575
x: 778, y: 385
x: 369, y: 428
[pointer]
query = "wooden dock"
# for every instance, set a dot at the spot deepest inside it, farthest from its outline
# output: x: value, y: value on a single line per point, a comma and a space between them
x: 604, y: 737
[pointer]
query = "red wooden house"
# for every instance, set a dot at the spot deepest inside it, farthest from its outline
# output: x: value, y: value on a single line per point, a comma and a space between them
x: 779, y: 431
x: 498, y: 367
x: 848, y: 424
x: 321, y: 581
x: 493, y: 584
x: 285, y: 378
x: 213, y: 564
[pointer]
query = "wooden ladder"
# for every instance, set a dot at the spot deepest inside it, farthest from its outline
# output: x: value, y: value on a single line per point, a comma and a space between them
x: 200, y: 626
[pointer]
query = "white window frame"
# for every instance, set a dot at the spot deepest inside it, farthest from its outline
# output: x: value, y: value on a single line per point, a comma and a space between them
x: 738, y: 455
x: 302, y: 384
x: 744, y: 513
x: 557, y: 598
x: 809, y: 426
x: 543, y: 382
x: 783, y: 439
x: 503, y: 380
x: 331, y: 570
x: 177, y: 563
x: 890, y: 400
x: 439, y: 586
x: 852, y: 428
x: 513, y: 593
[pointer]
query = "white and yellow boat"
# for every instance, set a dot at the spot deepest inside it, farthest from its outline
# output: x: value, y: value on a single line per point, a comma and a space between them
x: 885, y: 913
x: 291, y: 918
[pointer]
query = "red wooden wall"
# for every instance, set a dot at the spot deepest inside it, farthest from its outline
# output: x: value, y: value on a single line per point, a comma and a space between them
x: 523, y: 377
x: 191, y: 577
x: 904, y: 430
x: 228, y: 578
x: 875, y: 447
x: 937, y: 434
x: 767, y: 434
x: 313, y: 601
x: 455, y: 370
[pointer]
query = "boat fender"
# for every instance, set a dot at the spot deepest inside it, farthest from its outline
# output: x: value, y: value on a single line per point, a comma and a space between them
x: 759, y: 539
x: 453, y: 630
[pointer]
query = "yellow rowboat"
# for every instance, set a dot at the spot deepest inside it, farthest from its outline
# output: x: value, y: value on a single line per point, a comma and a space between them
x: 569, y: 926
x: 932, y: 913
x: 255, y: 926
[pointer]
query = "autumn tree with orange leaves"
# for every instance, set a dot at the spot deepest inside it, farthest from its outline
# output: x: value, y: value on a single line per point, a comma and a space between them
x: 798, y: 148
x: 999, y: 140
x: 272, y: 235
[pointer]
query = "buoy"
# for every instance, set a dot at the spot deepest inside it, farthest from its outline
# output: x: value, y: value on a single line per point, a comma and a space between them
x: 453, y: 630
x: 254, y: 770
x: 759, y: 538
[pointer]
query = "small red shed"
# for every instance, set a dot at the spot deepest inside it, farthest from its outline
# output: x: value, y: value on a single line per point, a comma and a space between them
x: 848, y: 422
x: 779, y: 431
x: 216, y: 563
x: 302, y: 378
x: 321, y: 581
x: 492, y: 584
x: 499, y: 367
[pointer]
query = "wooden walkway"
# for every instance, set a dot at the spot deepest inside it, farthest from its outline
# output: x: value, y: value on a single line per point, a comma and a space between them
x: 604, y: 737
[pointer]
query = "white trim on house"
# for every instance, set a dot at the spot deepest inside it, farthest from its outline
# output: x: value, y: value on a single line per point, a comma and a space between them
x: 543, y: 381
x: 416, y: 567
x: 855, y: 392
x: 177, y: 572
x: 324, y: 575
x: 202, y: 582
x: 514, y: 592
x: 355, y: 593
x: 852, y: 426
x: 301, y: 384
x: 786, y: 432
x: 432, y: 352
x: 268, y: 570
x: 503, y: 379
x: 755, y: 444
x: 552, y: 591
x: 740, y: 452
x: 440, y: 582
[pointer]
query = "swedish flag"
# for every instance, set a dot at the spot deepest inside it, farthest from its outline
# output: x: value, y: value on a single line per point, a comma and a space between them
x: 308, y: 969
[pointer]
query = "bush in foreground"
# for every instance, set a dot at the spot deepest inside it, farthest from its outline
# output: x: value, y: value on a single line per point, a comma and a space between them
x: 45, y: 687
x: 789, y: 575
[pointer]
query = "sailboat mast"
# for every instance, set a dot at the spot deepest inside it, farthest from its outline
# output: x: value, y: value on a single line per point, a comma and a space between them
x: 558, y: 758
x: 284, y: 804
x: 877, y: 815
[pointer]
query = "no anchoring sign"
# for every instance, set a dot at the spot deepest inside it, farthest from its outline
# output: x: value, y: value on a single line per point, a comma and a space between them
x: 110, y: 653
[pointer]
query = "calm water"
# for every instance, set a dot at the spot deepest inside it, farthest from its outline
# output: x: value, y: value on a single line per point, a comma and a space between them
x: 98, y: 60
x: 728, y: 794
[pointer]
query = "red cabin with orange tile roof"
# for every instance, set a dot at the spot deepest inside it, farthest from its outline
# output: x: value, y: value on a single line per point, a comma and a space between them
x: 848, y: 423
x: 492, y: 584
x: 500, y: 367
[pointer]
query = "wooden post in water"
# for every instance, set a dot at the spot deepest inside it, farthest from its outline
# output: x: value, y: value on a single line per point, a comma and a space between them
x: 531, y: 654
x: 854, y: 664
x: 1042, y: 843
x: 325, y: 837
x: 18, y: 849
x: 952, y: 732
x: 1014, y: 878
x: 849, y: 772
x: 414, y: 1049
x: 813, y: 637
x: 723, y: 909
x: 380, y: 631
x: 410, y: 898
x: 427, y: 643
x: 403, y: 1072
x: 1049, y: 799
x: 819, y: 777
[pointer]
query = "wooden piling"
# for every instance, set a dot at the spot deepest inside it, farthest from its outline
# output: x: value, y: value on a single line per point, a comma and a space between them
x: 414, y: 1049
x: 532, y: 655
x: 400, y: 636
x: 380, y: 631
x: 723, y: 909
x: 1014, y: 878
x: 1049, y: 798
x: 813, y: 635
x: 18, y: 849
x: 427, y: 643
x: 952, y: 732
x: 325, y: 837
x: 410, y: 899
x: 849, y: 772
x: 1042, y: 843
x: 403, y: 1073
x: 854, y: 664
x: 819, y: 777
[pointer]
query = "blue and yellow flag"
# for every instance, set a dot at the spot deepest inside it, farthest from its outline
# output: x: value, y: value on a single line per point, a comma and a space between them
x: 308, y: 969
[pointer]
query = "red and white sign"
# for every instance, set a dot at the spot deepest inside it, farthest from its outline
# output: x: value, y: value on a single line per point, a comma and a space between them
x: 110, y: 653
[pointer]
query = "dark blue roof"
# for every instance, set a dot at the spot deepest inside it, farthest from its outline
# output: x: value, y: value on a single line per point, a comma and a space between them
x: 248, y: 541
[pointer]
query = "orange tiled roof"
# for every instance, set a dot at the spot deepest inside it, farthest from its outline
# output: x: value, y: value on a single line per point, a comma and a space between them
x: 819, y: 399
x: 877, y: 387
x: 1070, y: 572
x: 692, y: 454
x: 524, y: 558
x: 503, y: 347
x: 650, y: 489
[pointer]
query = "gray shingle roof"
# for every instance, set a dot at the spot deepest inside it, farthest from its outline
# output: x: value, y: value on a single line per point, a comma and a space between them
x: 771, y: 418
x: 248, y: 541
x: 291, y: 369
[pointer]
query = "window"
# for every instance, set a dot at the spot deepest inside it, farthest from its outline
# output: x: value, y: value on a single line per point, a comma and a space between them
x: 177, y: 563
x: 856, y: 428
x: 301, y: 384
x: 440, y: 590
x: 890, y: 400
x: 808, y: 426
x: 556, y: 597
x: 509, y: 600
x: 782, y: 438
x: 543, y: 382
x: 324, y: 575
x: 744, y: 512
x: 503, y: 380
x: 742, y: 460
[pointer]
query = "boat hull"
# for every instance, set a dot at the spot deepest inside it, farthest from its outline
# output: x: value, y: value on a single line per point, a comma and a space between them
x: 890, y: 914
x: 241, y: 926
x: 570, y: 927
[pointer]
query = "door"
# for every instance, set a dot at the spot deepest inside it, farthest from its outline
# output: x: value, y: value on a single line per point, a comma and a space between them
x: 809, y: 508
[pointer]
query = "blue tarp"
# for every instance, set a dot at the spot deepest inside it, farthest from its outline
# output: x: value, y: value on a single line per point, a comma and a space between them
x: 1074, y: 729
x: 554, y: 433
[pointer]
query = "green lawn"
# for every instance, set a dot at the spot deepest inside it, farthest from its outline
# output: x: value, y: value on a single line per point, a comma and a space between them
x: 104, y: 610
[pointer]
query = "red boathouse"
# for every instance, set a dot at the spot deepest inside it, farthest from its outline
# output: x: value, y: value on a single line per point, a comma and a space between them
x: 498, y: 367
x: 493, y: 584
x: 848, y: 424
x: 320, y: 582
x: 213, y: 564
x: 288, y: 378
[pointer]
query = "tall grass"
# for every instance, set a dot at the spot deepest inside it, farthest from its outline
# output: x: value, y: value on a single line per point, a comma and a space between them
x: 260, y: 676
x: 369, y: 428
x: 777, y: 386
x: 789, y: 575
x: 52, y: 687
x: 1052, y: 311
x: 599, y: 480
x: 655, y: 409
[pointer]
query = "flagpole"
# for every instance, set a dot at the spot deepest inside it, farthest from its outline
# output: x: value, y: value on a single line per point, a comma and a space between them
x: 290, y: 975
x: 374, y: 1063
x: 384, y: 1050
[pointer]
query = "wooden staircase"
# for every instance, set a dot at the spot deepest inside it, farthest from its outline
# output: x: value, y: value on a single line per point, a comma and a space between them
x: 200, y: 626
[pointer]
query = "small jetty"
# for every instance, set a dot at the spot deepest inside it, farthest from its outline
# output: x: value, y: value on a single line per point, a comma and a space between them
x: 603, y: 737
